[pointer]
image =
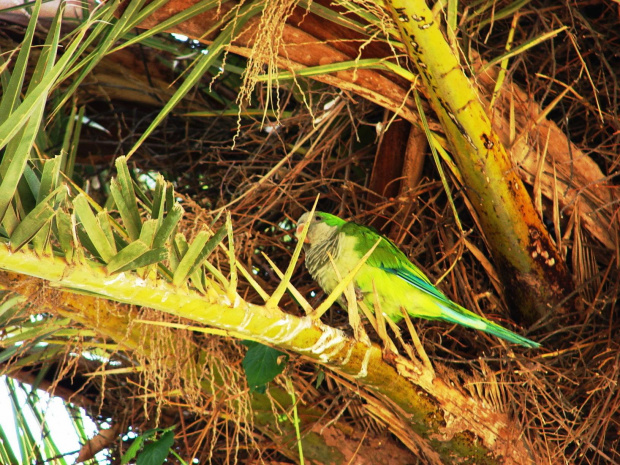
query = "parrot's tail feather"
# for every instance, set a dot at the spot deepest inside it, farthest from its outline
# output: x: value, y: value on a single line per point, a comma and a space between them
x: 471, y: 320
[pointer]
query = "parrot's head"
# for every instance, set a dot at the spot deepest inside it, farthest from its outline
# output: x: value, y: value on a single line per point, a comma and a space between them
x: 322, y: 227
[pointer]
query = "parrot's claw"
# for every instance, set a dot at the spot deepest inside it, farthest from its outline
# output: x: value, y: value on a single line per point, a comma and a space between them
x: 360, y: 335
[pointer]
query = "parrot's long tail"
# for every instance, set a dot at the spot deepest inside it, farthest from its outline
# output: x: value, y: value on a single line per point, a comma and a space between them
x: 469, y: 319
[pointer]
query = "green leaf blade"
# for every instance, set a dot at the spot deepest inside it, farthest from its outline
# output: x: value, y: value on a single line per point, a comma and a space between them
x: 156, y: 452
x: 262, y: 364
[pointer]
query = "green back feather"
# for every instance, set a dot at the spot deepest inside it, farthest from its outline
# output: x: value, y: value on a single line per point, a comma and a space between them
x: 388, y: 257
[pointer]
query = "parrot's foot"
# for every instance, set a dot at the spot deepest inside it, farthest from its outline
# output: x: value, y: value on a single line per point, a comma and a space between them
x: 354, y: 317
x: 421, y: 352
x: 360, y: 335
x: 419, y: 348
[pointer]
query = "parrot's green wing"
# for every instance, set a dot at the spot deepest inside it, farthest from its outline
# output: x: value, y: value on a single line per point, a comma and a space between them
x: 389, y: 258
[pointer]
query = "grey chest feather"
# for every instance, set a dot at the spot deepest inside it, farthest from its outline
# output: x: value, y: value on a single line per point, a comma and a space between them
x: 319, y: 264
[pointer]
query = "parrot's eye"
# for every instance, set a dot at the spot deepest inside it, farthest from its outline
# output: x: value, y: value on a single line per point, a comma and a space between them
x: 318, y: 218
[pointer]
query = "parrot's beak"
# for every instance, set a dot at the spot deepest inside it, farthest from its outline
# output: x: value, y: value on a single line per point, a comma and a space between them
x: 300, y: 228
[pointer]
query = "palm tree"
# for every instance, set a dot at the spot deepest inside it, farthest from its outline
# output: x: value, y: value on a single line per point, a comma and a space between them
x: 150, y: 184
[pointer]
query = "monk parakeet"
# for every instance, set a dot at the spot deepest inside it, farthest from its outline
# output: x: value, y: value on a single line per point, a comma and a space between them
x: 399, y: 283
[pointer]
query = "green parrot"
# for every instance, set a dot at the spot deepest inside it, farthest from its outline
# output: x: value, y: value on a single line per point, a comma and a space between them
x: 399, y: 283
